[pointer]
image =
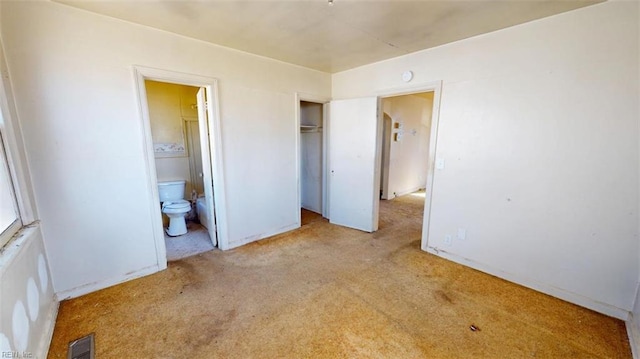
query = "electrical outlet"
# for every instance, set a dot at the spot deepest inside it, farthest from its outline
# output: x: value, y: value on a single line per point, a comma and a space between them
x: 447, y: 239
x: 462, y: 234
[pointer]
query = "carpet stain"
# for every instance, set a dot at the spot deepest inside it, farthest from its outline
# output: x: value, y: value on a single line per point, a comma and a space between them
x: 443, y: 296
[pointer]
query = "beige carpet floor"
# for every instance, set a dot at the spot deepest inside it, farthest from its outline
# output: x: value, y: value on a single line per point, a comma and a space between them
x: 324, y: 291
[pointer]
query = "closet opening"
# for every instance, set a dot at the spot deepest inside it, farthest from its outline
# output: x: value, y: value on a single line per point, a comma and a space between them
x: 313, y: 189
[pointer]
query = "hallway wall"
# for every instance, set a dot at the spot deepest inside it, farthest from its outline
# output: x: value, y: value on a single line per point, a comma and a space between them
x: 409, y: 156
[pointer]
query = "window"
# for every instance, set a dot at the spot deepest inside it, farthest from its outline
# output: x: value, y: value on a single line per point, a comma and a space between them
x: 9, y: 219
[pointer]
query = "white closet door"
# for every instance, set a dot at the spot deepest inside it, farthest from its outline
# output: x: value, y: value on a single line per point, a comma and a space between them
x: 354, y: 157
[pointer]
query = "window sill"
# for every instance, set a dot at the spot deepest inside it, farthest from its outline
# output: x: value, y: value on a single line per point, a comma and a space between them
x: 10, y: 251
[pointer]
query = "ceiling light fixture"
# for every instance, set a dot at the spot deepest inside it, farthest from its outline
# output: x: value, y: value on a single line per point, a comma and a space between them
x: 330, y: 2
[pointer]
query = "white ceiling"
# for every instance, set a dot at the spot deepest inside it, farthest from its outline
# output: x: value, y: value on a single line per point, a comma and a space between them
x: 312, y: 34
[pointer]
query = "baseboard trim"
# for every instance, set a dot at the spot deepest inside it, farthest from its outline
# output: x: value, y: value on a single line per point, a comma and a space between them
x: 402, y: 193
x: 47, y: 336
x: 634, y: 338
x: 577, y: 299
x: 92, y: 287
x: 243, y: 241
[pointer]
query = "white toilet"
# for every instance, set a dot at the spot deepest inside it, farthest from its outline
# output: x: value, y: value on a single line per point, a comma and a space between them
x: 174, y: 206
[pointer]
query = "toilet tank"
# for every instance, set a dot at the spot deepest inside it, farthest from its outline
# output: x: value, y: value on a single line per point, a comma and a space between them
x: 171, y: 190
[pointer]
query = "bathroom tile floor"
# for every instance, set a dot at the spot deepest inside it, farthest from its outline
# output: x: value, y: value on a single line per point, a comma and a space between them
x: 196, y: 241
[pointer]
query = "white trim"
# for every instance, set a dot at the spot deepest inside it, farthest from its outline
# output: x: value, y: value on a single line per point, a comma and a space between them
x: 411, y: 190
x: 411, y: 90
x: 298, y: 157
x: 219, y: 187
x: 13, y: 187
x: 14, y: 146
x: 47, y: 336
x: 633, y: 326
x: 96, y: 286
x: 10, y: 233
x: 633, y: 333
x: 215, y: 143
x: 150, y: 171
x: 377, y: 166
x: 141, y: 74
x: 560, y: 293
x: 326, y: 123
x: 243, y: 241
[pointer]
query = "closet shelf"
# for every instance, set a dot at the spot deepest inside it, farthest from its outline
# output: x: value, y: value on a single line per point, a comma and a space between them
x: 308, y: 128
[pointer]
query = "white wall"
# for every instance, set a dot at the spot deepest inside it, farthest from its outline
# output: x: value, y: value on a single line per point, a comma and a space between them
x: 28, y: 306
x: 408, y: 157
x: 539, y: 131
x: 75, y: 92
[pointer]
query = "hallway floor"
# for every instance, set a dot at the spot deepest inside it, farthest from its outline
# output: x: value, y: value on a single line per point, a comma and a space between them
x: 324, y: 291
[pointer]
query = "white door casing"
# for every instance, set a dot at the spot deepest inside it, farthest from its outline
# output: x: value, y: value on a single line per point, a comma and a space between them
x: 203, y: 121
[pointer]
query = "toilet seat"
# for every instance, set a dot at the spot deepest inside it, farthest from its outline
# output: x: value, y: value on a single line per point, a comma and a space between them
x: 176, y: 206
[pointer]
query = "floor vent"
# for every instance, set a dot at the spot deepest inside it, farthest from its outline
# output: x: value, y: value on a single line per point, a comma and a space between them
x: 82, y: 348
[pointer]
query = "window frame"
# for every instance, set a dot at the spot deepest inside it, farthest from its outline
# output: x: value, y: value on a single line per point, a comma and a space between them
x: 13, y: 156
x: 7, y: 233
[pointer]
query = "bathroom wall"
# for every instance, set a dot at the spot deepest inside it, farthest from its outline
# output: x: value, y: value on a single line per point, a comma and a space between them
x: 169, y: 106
x: 538, y: 131
x: 75, y: 91
x: 28, y: 306
x: 409, y: 155
x: 311, y: 157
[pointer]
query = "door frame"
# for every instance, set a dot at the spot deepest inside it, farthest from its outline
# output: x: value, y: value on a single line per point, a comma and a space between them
x: 387, y: 123
x: 436, y: 88
x: 210, y: 85
x: 324, y: 101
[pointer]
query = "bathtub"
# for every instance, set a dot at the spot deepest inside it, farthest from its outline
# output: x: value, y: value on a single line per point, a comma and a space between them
x: 201, y: 209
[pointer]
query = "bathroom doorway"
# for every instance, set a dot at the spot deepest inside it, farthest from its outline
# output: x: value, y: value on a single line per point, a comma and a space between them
x: 175, y: 132
x: 181, y: 126
x: 313, y: 161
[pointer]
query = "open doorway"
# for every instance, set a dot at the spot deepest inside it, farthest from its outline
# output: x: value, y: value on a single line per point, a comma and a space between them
x: 312, y: 165
x: 175, y: 133
x: 183, y: 154
x: 405, y: 151
x: 356, y: 173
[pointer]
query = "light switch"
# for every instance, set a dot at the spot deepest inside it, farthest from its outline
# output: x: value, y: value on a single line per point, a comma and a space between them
x: 439, y: 163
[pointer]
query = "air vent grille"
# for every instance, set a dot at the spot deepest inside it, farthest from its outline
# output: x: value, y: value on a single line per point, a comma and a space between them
x: 82, y: 348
